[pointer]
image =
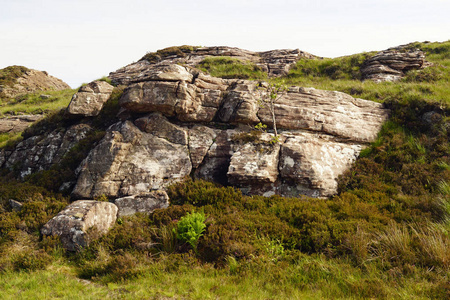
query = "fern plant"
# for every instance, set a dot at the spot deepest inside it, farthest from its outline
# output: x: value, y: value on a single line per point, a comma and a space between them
x: 190, y: 228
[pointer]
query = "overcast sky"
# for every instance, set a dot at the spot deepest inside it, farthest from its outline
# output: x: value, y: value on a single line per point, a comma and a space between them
x: 82, y: 40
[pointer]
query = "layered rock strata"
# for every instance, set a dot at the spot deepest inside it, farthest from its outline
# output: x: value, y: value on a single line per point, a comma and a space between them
x: 392, y: 64
x: 274, y: 62
x: 321, y: 134
x: 178, y: 122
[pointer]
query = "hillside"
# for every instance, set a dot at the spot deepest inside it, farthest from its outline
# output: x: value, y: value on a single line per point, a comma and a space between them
x: 26, y: 96
x: 367, y: 133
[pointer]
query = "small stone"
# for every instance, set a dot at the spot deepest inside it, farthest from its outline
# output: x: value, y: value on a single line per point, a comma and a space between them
x: 15, y: 205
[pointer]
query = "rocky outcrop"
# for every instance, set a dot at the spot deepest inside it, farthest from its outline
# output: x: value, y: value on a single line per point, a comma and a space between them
x: 42, y: 151
x: 143, y: 203
x: 19, y: 123
x: 89, y: 100
x: 392, y: 64
x: 321, y: 134
x: 80, y: 222
x: 275, y: 62
x: 31, y: 81
x: 177, y: 122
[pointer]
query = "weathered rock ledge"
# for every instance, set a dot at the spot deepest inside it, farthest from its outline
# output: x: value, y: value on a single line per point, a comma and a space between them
x: 181, y: 122
x: 392, y: 64
x: 321, y: 134
x: 274, y: 63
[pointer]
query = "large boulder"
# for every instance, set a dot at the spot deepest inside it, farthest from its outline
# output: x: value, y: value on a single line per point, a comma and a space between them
x: 178, y: 122
x: 90, y: 98
x: 76, y: 221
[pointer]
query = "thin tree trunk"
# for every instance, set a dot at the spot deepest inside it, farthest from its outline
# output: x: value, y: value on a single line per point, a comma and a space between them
x: 272, y: 110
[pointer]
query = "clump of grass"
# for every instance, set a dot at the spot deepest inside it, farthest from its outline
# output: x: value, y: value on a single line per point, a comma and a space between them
x: 228, y: 67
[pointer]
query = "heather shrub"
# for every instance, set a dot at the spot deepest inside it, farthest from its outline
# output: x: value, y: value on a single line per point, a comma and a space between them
x: 201, y: 193
x: 31, y: 260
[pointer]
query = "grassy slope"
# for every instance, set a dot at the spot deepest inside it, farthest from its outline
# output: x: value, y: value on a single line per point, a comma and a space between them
x: 386, y: 235
x: 33, y: 104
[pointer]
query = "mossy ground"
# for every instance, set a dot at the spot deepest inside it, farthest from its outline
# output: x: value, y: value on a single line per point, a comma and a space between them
x: 385, y: 235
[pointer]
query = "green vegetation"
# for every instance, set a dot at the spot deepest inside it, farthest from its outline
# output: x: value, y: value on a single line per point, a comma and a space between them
x: 340, y: 68
x: 190, y: 228
x: 385, y: 235
x: 228, y: 67
x: 341, y: 74
x: 36, y: 104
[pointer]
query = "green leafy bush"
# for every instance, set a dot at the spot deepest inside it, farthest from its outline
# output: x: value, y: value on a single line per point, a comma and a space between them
x: 190, y: 228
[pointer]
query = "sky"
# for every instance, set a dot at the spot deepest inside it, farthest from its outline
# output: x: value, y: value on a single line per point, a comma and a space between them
x: 82, y: 40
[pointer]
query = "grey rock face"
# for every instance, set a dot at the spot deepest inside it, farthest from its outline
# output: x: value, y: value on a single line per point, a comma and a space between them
x: 89, y: 100
x: 255, y: 163
x: 73, y: 223
x: 313, y: 162
x: 144, y: 203
x: 128, y: 161
x: 201, y: 139
x: 392, y: 64
x: 41, y: 152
